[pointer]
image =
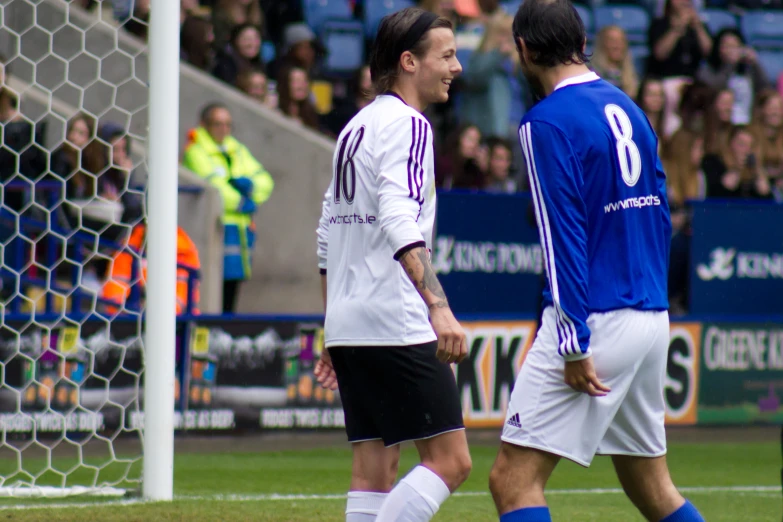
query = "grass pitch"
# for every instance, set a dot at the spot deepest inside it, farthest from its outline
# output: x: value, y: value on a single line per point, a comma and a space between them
x: 727, y: 481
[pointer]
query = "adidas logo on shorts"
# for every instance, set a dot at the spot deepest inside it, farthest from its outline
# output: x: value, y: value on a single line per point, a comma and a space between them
x: 514, y: 421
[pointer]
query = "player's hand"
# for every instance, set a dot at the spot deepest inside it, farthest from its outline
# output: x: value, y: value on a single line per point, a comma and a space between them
x: 452, y: 344
x: 324, y: 371
x: 580, y: 375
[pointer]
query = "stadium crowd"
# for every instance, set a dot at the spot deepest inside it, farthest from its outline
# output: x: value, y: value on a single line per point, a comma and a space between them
x: 717, y: 111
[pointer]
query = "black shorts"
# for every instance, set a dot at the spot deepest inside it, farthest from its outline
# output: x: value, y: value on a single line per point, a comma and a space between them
x: 396, y: 393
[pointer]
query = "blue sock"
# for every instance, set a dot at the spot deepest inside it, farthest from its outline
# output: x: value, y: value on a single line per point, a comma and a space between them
x: 686, y: 513
x: 531, y: 514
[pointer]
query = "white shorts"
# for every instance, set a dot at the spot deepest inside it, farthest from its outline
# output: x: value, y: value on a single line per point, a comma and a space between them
x: 629, y: 352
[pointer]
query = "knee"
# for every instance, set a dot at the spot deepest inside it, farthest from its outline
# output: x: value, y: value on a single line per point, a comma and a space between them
x: 454, y: 470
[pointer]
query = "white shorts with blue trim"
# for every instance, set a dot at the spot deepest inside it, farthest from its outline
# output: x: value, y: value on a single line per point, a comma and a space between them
x: 629, y: 353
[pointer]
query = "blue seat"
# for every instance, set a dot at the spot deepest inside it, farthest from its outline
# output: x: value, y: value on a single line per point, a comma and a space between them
x: 463, y: 56
x: 634, y: 20
x: 375, y: 10
x: 772, y: 62
x: 511, y: 7
x: 317, y: 12
x: 639, y: 54
x: 587, y: 19
x: 763, y: 29
x: 268, y: 52
x: 344, y: 43
x: 717, y: 19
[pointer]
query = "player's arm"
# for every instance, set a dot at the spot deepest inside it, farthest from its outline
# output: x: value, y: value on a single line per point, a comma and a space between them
x: 401, y: 152
x: 324, y: 371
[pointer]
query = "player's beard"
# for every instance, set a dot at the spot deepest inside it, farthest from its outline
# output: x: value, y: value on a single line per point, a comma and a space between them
x: 535, y: 84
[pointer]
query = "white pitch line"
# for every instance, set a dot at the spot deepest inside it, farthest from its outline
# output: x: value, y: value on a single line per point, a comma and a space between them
x: 761, y: 490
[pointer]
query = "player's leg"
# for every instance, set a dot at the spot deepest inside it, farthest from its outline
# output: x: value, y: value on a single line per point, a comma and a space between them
x: 421, y: 404
x: 517, y: 481
x: 647, y: 483
x: 373, y: 474
x: 636, y: 439
x: 374, y: 467
x: 546, y: 419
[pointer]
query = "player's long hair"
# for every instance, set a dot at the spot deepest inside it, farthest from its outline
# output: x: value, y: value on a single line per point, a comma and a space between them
x: 553, y: 32
x: 629, y: 80
x: 770, y: 140
x: 384, y: 58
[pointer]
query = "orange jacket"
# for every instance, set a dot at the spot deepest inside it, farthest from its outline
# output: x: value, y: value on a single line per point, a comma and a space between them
x: 118, y: 283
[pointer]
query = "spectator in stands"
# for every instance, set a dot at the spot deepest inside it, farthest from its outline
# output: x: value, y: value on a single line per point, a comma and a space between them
x: 228, y: 14
x: 444, y: 8
x: 254, y: 83
x: 138, y: 23
x: 295, y: 102
x: 300, y: 49
x: 242, y: 52
x: 684, y: 178
x: 717, y: 122
x: 458, y: 167
x: 736, y: 171
x: 696, y: 100
x: 652, y: 101
x: 214, y: 154
x: 9, y: 106
x: 768, y: 128
x: 487, y: 96
x: 612, y: 60
x: 196, y: 43
x: 360, y: 95
x: 118, y: 178
x: 678, y: 42
x: 499, y: 179
x: 120, y: 275
x: 733, y: 65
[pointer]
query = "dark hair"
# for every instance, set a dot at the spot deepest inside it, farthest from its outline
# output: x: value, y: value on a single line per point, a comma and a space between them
x: 306, y: 109
x: 496, y: 141
x: 206, y: 112
x: 658, y: 123
x: 193, y: 41
x: 394, y: 31
x: 553, y: 32
x: 11, y: 96
x: 714, y: 60
x: 238, y: 30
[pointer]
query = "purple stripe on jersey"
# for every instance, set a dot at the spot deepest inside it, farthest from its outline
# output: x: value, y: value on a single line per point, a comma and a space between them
x: 527, y: 146
x: 410, y: 156
x: 424, y: 129
x: 416, y: 163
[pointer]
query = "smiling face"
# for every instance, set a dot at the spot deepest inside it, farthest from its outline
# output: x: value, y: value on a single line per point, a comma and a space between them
x: 772, y: 112
x: 248, y: 43
x: 299, y: 85
x: 615, y: 45
x: 79, y: 133
x: 652, y: 97
x: 724, y: 104
x: 438, y: 67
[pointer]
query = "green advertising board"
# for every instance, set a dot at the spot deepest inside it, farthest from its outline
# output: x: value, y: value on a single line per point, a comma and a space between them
x: 741, y: 374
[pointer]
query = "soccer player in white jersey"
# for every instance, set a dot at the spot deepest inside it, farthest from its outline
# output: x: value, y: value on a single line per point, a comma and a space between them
x: 592, y: 383
x: 390, y: 334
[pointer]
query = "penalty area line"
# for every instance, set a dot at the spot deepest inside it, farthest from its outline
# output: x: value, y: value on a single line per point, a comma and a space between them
x: 764, y: 491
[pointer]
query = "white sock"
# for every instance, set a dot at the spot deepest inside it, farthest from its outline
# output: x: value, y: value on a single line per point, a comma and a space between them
x: 416, y: 498
x: 363, y: 506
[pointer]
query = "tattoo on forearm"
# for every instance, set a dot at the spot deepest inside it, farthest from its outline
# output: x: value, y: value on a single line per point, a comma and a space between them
x: 430, y: 280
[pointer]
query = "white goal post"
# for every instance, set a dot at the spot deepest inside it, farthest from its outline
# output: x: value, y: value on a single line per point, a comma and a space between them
x: 87, y: 389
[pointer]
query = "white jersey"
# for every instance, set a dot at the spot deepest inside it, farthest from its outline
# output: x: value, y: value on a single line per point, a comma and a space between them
x: 380, y: 201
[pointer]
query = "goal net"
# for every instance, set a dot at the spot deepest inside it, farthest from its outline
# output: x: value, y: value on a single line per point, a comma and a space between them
x: 72, y: 172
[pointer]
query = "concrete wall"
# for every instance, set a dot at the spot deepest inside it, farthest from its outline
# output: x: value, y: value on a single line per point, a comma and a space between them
x: 81, y: 61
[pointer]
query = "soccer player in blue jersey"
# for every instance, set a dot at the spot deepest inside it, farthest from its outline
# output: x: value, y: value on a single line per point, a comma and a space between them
x: 592, y: 383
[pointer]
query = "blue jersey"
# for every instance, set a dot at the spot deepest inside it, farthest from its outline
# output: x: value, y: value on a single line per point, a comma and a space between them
x: 599, y: 192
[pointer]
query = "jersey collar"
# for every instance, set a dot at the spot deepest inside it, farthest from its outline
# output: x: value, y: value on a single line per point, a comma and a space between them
x: 574, y: 80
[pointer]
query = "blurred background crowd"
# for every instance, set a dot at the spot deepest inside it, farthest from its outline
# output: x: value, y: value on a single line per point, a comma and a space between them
x: 708, y: 76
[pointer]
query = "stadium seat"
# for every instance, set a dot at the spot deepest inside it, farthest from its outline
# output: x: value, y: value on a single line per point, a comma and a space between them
x: 634, y: 20
x: 344, y: 42
x: 268, y: 52
x: 763, y: 29
x: 772, y: 62
x: 319, y: 11
x: 717, y: 19
x: 640, y: 54
x: 375, y: 10
x: 587, y: 19
x: 511, y: 7
x: 463, y: 56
